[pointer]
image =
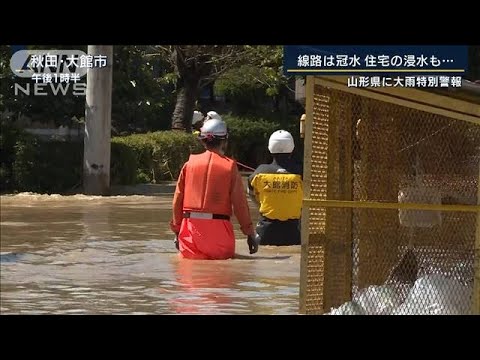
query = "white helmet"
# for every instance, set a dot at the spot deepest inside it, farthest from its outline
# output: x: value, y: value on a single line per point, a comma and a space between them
x: 281, y: 142
x: 214, y: 128
x: 197, y: 116
x: 214, y: 115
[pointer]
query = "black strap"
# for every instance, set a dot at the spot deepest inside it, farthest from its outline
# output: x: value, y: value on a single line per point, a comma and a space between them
x: 186, y: 215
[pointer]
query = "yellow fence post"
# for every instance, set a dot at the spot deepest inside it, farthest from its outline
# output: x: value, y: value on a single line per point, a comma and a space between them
x: 338, y: 224
x: 307, y: 176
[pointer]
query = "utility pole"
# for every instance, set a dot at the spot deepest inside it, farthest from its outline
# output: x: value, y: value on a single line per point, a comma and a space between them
x: 98, y: 119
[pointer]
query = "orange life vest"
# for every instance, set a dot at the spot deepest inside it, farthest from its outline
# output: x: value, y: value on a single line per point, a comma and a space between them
x: 208, y: 182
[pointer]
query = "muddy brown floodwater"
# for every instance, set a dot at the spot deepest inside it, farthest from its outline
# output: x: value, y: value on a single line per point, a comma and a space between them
x: 115, y: 255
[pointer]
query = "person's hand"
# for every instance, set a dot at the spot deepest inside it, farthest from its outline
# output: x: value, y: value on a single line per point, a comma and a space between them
x: 176, y: 241
x: 252, y: 244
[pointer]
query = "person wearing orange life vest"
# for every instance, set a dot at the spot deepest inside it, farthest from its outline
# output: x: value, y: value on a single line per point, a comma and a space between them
x: 278, y: 189
x: 208, y: 189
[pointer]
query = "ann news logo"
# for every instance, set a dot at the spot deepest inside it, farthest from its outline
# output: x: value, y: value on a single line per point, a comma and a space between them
x: 53, y: 72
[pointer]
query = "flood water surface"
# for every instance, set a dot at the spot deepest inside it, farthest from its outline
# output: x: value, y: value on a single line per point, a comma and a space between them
x: 115, y: 255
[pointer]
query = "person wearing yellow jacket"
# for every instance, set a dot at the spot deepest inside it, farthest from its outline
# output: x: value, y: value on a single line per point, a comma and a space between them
x: 278, y: 189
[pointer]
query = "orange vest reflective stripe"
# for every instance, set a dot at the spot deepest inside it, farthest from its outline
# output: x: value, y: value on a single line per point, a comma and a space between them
x: 208, y: 179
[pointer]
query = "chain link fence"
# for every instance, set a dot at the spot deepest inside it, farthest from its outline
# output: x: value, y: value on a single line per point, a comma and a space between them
x: 390, y: 214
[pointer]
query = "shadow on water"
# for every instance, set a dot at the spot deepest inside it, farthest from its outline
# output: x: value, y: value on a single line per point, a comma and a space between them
x: 9, y: 257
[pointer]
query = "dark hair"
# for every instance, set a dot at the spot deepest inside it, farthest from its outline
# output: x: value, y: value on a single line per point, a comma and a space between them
x: 212, y: 143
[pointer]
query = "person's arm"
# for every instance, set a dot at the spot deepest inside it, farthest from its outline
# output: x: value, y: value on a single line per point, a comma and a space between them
x: 178, y: 202
x: 240, y: 204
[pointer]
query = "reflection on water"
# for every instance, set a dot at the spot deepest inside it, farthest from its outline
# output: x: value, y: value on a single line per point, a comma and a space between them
x: 94, y: 255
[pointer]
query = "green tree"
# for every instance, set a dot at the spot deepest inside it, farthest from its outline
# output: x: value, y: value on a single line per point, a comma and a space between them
x: 258, y: 86
x: 141, y: 99
x: 196, y: 66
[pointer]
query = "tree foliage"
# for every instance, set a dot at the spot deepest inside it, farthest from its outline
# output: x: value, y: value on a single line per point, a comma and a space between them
x: 259, y: 86
x: 157, y: 87
x: 194, y: 67
x: 262, y: 70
